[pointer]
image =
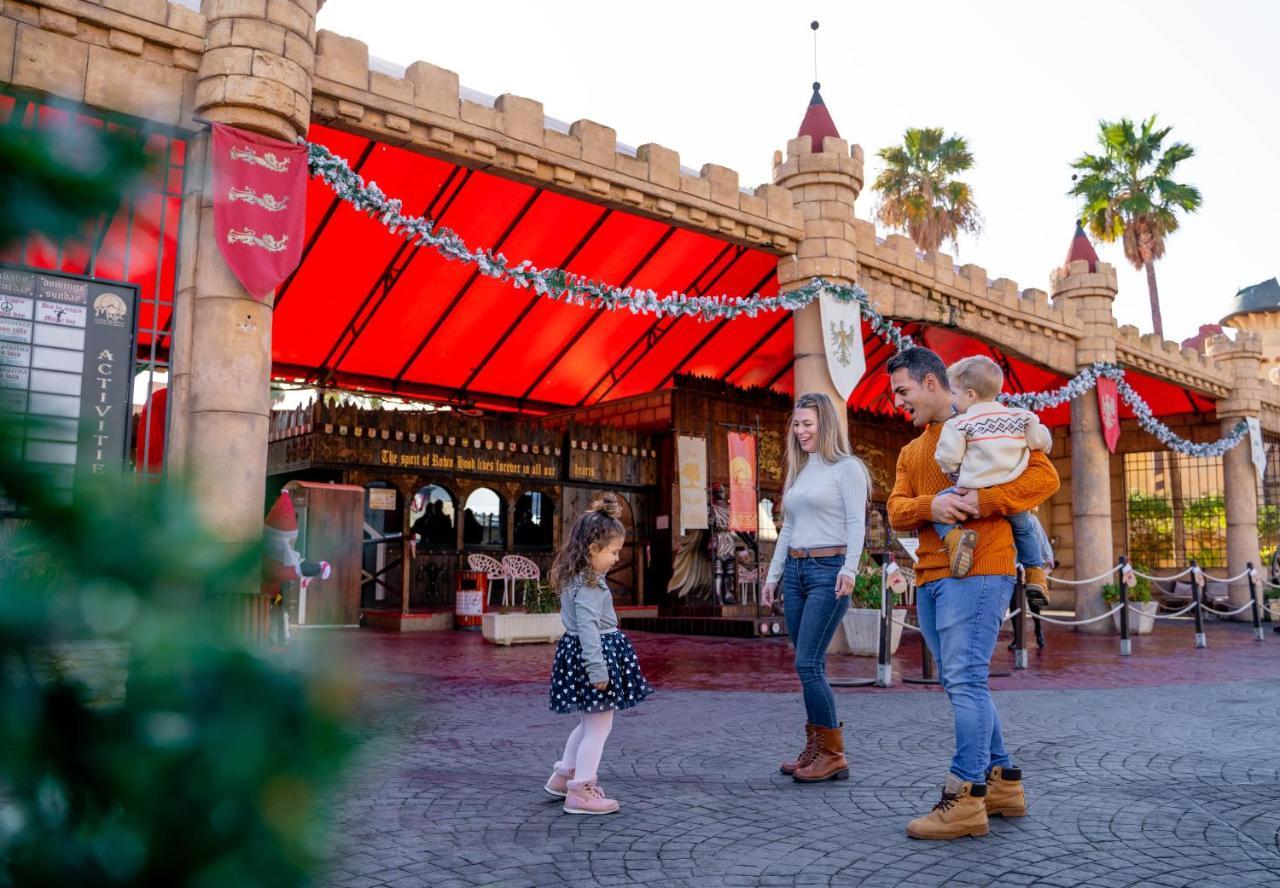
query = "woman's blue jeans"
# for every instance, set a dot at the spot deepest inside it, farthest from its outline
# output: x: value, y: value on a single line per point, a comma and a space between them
x: 813, y: 614
x: 960, y: 619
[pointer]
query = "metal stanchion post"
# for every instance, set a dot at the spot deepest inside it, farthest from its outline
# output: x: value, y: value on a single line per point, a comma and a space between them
x: 884, y: 668
x: 1253, y: 603
x: 1020, y: 620
x: 1197, y: 578
x: 1126, y: 646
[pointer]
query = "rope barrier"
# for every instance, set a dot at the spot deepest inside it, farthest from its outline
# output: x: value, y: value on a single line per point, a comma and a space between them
x: 910, y: 626
x: 1084, y: 582
x: 1176, y: 576
x: 1079, y: 622
x: 1173, y: 616
x: 1239, y: 610
x: 1236, y: 578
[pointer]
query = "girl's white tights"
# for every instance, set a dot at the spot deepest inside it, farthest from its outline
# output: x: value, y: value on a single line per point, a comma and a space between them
x: 585, y: 745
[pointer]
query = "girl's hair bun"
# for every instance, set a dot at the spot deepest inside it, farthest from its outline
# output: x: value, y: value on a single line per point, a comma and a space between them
x: 608, y: 503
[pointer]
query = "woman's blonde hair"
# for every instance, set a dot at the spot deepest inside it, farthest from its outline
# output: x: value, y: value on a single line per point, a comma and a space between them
x: 833, y: 439
x: 594, y: 527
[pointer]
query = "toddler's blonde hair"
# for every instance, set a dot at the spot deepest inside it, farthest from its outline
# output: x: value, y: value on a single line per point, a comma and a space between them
x: 979, y: 373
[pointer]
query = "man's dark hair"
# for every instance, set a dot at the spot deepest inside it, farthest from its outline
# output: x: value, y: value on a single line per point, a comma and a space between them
x: 919, y: 363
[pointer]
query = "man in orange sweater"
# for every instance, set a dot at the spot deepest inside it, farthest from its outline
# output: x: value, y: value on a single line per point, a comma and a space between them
x: 960, y: 618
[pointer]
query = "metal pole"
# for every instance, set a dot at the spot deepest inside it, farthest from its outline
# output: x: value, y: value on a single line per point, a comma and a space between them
x: 884, y: 669
x: 1126, y: 646
x: 1253, y: 603
x: 1196, y: 579
x: 1020, y: 619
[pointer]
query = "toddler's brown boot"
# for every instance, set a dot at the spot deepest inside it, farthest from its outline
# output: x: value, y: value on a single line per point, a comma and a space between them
x: 960, y: 543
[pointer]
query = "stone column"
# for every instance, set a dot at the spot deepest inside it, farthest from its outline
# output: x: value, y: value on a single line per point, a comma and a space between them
x: 824, y: 184
x: 1090, y: 288
x: 256, y: 74
x: 1242, y: 360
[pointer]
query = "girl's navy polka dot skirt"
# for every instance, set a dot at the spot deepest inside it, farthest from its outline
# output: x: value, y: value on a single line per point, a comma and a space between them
x: 571, y: 688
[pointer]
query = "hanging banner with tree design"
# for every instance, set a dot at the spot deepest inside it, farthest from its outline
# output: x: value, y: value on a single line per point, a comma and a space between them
x: 259, y: 206
x: 742, y: 483
x: 1109, y: 411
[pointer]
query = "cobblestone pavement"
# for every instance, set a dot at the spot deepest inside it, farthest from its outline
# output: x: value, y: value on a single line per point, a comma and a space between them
x: 1163, y: 785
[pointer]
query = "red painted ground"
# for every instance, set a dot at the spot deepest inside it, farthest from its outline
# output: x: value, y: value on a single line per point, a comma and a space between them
x: 1071, y: 659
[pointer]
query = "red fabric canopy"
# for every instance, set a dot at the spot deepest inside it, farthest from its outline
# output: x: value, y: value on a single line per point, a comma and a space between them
x: 367, y: 310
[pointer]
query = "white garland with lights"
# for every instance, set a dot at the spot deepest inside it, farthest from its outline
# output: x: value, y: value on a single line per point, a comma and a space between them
x: 1088, y: 378
x: 558, y: 284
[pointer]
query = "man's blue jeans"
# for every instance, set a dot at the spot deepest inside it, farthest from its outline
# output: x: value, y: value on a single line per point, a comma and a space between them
x: 960, y: 619
x: 813, y: 614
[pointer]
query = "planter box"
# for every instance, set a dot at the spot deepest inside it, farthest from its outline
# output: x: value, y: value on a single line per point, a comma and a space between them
x: 859, y: 633
x: 521, y: 628
x: 1141, y: 623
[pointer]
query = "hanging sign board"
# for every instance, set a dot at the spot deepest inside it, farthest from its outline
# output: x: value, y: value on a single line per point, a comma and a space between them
x: 66, y: 366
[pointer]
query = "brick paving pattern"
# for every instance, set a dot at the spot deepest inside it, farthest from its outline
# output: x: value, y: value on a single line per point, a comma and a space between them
x: 1162, y: 784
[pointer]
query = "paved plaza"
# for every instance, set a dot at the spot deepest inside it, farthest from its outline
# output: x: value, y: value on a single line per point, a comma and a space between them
x: 1162, y: 769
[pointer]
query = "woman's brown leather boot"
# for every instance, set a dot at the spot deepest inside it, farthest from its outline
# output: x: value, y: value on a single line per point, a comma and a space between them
x: 806, y: 754
x: 828, y: 763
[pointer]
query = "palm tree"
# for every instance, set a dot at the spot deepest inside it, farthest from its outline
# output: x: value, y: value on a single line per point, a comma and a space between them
x: 918, y: 193
x: 1129, y: 194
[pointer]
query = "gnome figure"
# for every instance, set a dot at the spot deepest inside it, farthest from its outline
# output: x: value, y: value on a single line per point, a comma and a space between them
x: 281, y: 565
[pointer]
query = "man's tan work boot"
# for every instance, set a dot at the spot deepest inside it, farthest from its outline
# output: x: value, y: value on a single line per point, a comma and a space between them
x: 961, y: 812
x: 1005, y: 797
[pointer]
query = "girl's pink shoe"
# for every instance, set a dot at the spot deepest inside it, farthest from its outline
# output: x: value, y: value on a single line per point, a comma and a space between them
x: 586, y: 797
x: 558, y: 782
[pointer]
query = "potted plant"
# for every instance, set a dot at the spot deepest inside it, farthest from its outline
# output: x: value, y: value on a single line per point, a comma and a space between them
x: 1142, y: 617
x: 859, y: 632
x: 540, y: 621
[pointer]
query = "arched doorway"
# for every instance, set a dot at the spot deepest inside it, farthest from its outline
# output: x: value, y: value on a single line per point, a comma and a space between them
x: 484, y: 520
x: 433, y: 522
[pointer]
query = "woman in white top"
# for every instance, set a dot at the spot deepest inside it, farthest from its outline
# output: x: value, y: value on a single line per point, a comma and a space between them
x: 824, y: 503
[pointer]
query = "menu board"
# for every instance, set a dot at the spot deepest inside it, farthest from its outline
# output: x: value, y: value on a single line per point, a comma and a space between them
x: 66, y: 363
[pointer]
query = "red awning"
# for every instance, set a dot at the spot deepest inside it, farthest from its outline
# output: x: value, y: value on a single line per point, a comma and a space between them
x: 367, y: 310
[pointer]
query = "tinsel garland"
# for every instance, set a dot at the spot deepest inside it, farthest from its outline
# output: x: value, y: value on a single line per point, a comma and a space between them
x: 1088, y: 378
x: 556, y: 283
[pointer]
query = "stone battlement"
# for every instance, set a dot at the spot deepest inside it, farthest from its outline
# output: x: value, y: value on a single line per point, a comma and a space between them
x: 425, y: 109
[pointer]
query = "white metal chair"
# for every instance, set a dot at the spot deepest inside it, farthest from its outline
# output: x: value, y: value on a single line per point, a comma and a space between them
x: 517, y: 567
x: 492, y: 568
x: 748, y: 584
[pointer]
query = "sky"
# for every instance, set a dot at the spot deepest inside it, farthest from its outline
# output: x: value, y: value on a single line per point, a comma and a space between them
x: 1025, y: 83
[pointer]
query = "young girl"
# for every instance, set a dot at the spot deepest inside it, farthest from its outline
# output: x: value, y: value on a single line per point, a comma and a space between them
x: 595, y: 670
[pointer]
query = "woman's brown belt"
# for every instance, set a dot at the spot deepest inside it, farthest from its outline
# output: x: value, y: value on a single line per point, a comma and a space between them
x: 823, y: 552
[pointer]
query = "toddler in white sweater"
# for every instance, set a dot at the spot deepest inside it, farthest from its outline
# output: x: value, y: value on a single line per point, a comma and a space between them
x: 984, y: 445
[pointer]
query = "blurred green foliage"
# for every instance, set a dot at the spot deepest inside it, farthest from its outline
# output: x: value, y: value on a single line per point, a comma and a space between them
x: 209, y: 764
x: 54, y: 180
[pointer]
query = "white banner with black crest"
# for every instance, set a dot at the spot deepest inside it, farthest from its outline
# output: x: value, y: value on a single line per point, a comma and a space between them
x: 842, y: 338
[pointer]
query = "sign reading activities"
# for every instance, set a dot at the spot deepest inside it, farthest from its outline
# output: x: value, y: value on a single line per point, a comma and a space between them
x: 66, y: 363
